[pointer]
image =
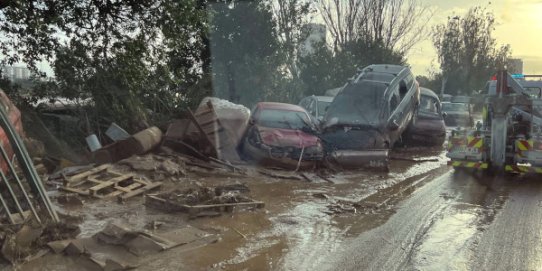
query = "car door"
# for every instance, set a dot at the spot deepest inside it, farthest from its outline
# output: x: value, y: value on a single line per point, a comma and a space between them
x: 407, y: 106
x: 394, y: 112
x: 312, y: 109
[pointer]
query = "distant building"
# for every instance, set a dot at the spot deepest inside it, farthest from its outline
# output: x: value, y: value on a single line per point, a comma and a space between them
x: 15, y: 73
x: 515, y: 65
x: 315, y: 33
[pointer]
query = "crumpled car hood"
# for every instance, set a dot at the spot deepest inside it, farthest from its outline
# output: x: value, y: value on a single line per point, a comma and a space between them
x: 287, y: 138
x: 355, y: 139
x: 426, y: 125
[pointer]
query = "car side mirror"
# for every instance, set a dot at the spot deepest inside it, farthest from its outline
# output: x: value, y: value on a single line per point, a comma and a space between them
x: 393, y: 125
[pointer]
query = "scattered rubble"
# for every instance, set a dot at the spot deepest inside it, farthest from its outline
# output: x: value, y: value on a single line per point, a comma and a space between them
x: 203, y: 199
x: 119, y: 247
x: 22, y: 243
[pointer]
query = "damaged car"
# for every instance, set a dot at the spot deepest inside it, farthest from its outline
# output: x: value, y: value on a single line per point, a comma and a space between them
x: 316, y: 105
x: 429, y: 128
x: 370, y: 114
x: 281, y: 135
x: 457, y: 114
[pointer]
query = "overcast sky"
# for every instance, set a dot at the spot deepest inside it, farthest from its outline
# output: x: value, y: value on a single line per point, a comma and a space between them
x: 519, y: 24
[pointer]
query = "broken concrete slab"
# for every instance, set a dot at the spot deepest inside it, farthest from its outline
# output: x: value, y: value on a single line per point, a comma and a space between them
x: 142, y: 245
x: 18, y: 246
x: 59, y: 246
x: 115, y: 233
x: 75, y: 247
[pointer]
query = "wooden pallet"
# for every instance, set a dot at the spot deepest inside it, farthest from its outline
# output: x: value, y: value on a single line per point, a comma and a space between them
x: 103, y: 182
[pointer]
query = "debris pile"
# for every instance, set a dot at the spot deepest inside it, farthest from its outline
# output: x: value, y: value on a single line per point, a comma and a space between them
x: 119, y: 247
x: 25, y: 242
x: 197, y: 200
x: 214, y: 130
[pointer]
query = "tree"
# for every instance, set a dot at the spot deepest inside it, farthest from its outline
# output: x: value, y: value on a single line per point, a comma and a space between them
x: 325, y: 69
x: 156, y: 50
x: 244, y: 50
x: 395, y: 24
x: 467, y: 52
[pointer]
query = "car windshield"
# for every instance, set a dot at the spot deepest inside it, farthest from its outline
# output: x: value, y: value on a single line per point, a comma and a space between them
x: 358, y: 104
x: 283, y: 119
x: 429, y: 104
x: 322, y: 107
x: 447, y: 107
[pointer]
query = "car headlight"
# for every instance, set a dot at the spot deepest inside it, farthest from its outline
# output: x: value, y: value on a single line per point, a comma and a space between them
x: 314, y: 149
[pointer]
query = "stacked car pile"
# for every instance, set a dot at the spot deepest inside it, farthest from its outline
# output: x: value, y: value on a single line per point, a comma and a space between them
x: 357, y: 127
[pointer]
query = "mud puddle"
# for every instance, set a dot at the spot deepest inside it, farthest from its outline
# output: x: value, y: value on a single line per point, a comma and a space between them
x: 293, y: 231
x: 301, y: 233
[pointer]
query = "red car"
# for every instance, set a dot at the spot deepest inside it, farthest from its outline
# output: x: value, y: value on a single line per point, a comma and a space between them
x: 14, y: 116
x: 279, y: 134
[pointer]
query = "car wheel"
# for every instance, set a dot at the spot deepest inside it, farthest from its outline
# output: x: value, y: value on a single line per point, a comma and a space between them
x: 415, y: 115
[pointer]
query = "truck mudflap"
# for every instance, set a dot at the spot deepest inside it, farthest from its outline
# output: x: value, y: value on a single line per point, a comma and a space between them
x: 466, y: 148
x: 365, y: 158
x: 522, y: 169
x: 528, y: 151
x: 468, y: 164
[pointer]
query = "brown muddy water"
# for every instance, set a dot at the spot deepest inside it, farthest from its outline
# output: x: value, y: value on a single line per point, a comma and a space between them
x: 293, y: 232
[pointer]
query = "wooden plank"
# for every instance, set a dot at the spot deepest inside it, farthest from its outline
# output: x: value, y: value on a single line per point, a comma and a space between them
x: 85, y: 174
x: 122, y: 178
x: 257, y: 204
x: 114, y: 172
x: 93, y: 190
x: 139, y: 191
x: 202, y: 132
x: 91, y: 179
x: 129, y: 188
x: 121, y: 190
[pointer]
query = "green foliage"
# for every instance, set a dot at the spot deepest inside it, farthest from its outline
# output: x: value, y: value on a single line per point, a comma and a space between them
x: 325, y: 69
x: 244, y: 50
x: 467, y: 52
x: 135, y: 57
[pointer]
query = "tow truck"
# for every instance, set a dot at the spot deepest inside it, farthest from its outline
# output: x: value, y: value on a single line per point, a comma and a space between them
x: 509, y: 138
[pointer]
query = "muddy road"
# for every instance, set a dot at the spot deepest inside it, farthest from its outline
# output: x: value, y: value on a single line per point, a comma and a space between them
x: 420, y: 216
x: 454, y: 222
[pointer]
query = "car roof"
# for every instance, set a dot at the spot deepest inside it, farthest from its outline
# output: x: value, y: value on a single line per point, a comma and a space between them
x: 324, y: 98
x: 385, y: 68
x: 280, y: 106
x: 428, y: 92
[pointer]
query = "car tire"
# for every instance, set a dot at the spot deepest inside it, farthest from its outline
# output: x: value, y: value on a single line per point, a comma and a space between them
x: 414, y: 116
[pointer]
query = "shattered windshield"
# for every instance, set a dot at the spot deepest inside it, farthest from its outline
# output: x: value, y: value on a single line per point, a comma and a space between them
x: 429, y: 104
x: 283, y: 119
x: 322, y: 108
x: 455, y: 107
x: 357, y: 104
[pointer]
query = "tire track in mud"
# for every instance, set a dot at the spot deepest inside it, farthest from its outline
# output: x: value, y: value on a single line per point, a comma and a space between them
x: 513, y: 240
x: 305, y: 234
x: 435, y: 228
